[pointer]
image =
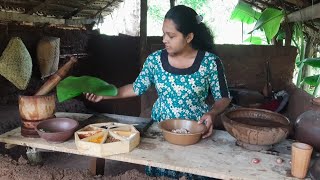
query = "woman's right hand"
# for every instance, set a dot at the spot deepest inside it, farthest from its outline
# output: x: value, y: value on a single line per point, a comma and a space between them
x: 93, y: 98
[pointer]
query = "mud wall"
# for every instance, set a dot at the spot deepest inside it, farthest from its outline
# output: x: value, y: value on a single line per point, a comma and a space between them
x: 114, y: 59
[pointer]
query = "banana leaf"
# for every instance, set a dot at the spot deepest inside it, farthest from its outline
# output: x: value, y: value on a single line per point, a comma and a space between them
x: 314, y: 62
x: 269, y: 21
x: 311, y: 80
x: 254, y: 40
x: 73, y: 86
x: 244, y: 13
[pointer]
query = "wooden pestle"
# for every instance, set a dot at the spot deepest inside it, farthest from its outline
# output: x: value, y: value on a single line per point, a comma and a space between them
x: 56, y: 78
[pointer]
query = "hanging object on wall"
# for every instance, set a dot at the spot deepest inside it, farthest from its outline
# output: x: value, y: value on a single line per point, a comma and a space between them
x: 16, y: 63
x: 48, y: 52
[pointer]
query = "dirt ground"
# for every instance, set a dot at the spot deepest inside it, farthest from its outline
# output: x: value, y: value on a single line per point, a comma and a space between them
x: 56, y: 166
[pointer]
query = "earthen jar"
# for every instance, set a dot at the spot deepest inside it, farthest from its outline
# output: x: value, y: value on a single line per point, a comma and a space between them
x: 307, y: 128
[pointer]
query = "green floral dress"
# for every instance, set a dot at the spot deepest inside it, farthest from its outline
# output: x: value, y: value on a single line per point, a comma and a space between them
x: 181, y: 92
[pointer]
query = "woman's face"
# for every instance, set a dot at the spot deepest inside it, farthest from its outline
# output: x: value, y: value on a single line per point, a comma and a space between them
x: 173, y: 40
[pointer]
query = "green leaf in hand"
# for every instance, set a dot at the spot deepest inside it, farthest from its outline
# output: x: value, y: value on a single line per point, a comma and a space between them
x: 73, y: 86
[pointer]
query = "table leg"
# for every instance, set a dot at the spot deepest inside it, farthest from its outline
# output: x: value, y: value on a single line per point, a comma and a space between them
x: 97, y: 166
x: 34, y: 156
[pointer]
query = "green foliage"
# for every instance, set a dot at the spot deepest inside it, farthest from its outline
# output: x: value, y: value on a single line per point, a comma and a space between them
x: 269, y: 21
x: 73, y: 86
x: 281, y: 34
x: 311, y: 80
x: 313, y: 62
x: 195, y: 4
x: 243, y: 12
x: 156, y: 13
x: 254, y: 40
x: 299, y: 42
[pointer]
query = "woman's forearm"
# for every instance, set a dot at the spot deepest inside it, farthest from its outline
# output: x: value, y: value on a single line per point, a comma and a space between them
x: 220, y: 105
x: 123, y: 92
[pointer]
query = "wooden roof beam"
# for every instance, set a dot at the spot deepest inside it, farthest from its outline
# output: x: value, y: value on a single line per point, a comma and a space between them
x: 105, y: 7
x: 298, y: 3
x: 40, y: 6
x: 8, y: 16
x: 73, y: 13
x: 308, y: 13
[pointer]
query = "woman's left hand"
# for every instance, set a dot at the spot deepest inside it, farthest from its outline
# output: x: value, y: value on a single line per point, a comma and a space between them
x: 208, y: 118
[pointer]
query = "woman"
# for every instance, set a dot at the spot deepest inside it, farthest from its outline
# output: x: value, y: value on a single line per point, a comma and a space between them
x: 182, y: 74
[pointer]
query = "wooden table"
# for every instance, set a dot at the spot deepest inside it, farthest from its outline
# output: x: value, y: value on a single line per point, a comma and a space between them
x: 216, y: 157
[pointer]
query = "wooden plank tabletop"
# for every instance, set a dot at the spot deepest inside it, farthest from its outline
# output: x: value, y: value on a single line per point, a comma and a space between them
x: 217, y: 157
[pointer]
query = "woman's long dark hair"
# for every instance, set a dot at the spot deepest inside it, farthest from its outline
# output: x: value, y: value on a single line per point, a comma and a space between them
x: 186, y: 22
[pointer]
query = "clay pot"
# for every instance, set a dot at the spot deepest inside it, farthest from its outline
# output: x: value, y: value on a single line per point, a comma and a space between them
x: 307, y: 128
x: 194, y: 135
x: 256, y: 126
x: 315, y: 170
x: 35, y: 108
x: 57, y: 129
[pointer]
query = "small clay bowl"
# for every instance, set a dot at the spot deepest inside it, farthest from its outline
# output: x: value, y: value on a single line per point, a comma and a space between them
x: 195, y: 131
x: 57, y: 129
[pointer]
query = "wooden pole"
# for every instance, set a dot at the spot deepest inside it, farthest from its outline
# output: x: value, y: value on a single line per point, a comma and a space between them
x: 288, y: 30
x: 309, y: 13
x: 172, y: 3
x: 143, y: 31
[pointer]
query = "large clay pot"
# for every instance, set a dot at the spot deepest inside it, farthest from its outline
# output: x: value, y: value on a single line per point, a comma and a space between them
x: 307, y: 128
x: 256, y: 128
x: 35, y: 108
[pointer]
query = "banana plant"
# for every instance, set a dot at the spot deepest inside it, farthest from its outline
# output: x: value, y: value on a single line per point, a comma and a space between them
x: 269, y: 20
x: 313, y: 80
x: 243, y: 12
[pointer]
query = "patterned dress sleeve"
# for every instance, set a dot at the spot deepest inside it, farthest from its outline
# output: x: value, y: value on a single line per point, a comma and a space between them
x: 217, y: 79
x: 146, y: 76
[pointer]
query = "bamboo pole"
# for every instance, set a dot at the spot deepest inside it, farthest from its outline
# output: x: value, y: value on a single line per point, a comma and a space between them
x: 143, y: 31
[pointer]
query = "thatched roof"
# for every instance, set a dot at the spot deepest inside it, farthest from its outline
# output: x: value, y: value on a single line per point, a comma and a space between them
x: 56, y: 11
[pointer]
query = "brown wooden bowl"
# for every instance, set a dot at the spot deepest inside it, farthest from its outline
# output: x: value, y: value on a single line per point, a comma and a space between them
x: 57, y: 129
x: 195, y: 131
x: 35, y: 108
x: 256, y: 126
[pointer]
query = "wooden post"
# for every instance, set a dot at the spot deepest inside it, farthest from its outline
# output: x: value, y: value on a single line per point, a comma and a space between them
x: 309, y: 13
x: 97, y: 166
x: 143, y: 31
x: 309, y: 50
x: 288, y: 30
x: 172, y: 3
